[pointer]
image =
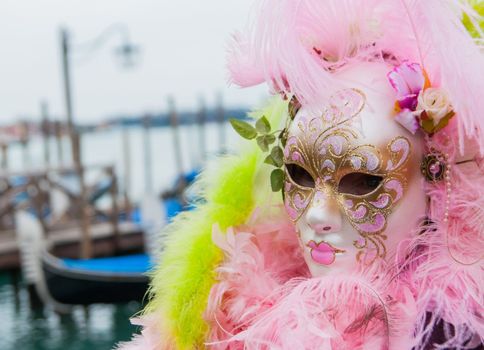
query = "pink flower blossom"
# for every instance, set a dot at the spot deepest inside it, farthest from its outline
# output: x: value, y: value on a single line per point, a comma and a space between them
x: 408, y: 80
x: 408, y: 120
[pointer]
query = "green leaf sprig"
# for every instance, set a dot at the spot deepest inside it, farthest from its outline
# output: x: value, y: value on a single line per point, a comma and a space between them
x: 265, y: 138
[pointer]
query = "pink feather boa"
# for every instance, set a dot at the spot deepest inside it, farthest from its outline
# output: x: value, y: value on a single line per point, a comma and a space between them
x: 266, y: 300
x: 153, y: 335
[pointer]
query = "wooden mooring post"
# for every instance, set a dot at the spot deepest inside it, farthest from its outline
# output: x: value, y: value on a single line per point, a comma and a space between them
x: 86, y: 244
x: 58, y: 139
x: 45, y: 129
x: 115, y: 209
x: 127, y: 169
x: 220, y: 116
x: 201, y: 119
x: 4, y: 149
x: 147, y: 153
x: 176, y: 136
x: 24, y: 142
x: 82, y: 203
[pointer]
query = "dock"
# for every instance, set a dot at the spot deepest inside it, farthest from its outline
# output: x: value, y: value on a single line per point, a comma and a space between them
x: 71, y: 219
x: 66, y: 242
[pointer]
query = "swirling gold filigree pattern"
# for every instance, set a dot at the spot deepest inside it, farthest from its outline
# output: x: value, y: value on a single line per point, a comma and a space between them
x: 329, y: 147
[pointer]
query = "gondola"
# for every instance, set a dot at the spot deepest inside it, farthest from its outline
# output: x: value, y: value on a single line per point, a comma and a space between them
x: 54, y: 277
x: 100, y: 280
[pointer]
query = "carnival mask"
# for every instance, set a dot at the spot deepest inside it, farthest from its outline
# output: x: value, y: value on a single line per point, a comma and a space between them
x: 352, y: 181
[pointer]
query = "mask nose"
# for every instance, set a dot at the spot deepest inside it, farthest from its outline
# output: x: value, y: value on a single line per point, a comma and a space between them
x: 323, y: 214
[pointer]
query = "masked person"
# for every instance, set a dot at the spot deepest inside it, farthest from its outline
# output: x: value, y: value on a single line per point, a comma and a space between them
x: 375, y: 141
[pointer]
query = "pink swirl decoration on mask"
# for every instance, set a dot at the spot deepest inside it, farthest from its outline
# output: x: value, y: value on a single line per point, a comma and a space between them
x: 315, y: 128
x: 290, y: 210
x: 372, y: 160
x: 348, y: 203
x: 315, y: 125
x: 399, y: 145
x: 300, y: 202
x: 319, y: 196
x: 355, y: 162
x: 328, y: 115
x: 348, y: 102
x: 359, y: 213
x: 303, y: 124
x: 397, y: 187
x: 287, y: 186
x: 382, y: 201
x: 371, y: 227
x: 328, y: 164
x: 336, y: 142
x: 297, y: 157
x: 291, y: 141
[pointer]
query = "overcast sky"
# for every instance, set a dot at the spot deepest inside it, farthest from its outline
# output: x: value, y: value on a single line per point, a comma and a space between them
x: 183, y: 44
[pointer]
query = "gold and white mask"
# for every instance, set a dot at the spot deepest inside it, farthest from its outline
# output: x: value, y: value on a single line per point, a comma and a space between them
x: 348, y: 169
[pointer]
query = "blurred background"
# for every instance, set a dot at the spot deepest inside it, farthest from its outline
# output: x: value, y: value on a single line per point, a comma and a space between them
x: 108, y: 112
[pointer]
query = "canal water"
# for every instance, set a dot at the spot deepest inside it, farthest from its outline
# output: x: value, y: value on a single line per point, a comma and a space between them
x: 96, y: 327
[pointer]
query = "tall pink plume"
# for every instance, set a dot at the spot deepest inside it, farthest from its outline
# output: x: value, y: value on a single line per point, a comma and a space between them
x: 295, y: 46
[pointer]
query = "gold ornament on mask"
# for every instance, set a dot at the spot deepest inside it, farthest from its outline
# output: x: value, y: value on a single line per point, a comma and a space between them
x: 325, y: 160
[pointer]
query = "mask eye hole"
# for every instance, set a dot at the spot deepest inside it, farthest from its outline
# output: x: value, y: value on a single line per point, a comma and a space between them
x: 300, y: 176
x: 359, y: 184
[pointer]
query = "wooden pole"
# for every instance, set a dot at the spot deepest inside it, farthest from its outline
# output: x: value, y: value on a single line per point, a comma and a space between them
x: 176, y: 136
x: 201, y: 118
x: 82, y: 202
x: 45, y: 128
x: 66, y: 74
x: 4, y: 147
x: 221, y: 122
x: 24, y: 141
x: 86, y: 244
x: 192, y: 129
x: 58, y: 138
x: 115, y: 208
x: 84, y: 220
x: 39, y: 200
x: 127, y: 169
x: 147, y: 152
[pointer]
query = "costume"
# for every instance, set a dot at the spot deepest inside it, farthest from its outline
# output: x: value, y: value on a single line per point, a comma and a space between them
x: 375, y: 142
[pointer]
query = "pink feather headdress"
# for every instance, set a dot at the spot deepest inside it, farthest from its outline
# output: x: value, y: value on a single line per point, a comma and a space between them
x: 295, y: 46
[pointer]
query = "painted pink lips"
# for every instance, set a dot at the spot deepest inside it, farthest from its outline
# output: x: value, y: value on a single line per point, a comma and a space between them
x: 323, y: 253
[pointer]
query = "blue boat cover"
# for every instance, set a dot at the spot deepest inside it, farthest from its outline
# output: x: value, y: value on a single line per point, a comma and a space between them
x: 172, y: 206
x: 137, y: 263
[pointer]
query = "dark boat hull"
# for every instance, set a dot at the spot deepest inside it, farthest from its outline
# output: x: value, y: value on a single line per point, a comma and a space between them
x: 68, y: 286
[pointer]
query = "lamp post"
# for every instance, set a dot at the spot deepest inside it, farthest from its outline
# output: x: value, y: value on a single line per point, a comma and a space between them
x: 126, y: 51
x: 66, y: 74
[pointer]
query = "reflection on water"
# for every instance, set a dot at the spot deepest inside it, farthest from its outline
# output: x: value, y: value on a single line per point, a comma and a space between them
x: 95, y: 327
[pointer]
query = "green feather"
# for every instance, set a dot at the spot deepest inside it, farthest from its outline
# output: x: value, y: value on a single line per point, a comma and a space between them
x: 478, y: 6
x: 182, y: 281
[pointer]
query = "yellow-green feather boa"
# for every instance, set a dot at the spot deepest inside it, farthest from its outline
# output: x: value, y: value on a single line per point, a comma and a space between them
x: 182, y: 281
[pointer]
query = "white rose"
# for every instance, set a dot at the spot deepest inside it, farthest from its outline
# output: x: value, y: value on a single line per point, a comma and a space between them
x: 435, y: 103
